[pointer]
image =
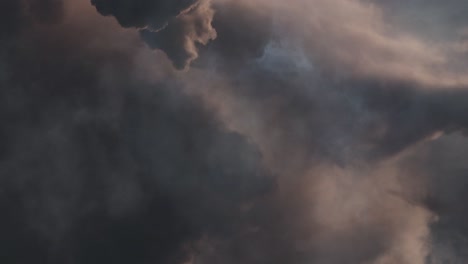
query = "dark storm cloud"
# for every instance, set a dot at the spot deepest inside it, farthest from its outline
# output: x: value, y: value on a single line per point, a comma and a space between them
x: 378, y: 105
x: 143, y: 13
x: 302, y: 115
x: 98, y: 166
x: 180, y: 28
x: 176, y: 27
x: 278, y: 147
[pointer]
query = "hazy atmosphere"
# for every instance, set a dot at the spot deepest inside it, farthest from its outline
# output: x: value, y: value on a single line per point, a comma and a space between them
x: 233, y: 132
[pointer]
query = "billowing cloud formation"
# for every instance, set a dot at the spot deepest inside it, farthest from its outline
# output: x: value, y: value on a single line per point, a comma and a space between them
x: 96, y: 171
x: 176, y: 27
x: 318, y: 131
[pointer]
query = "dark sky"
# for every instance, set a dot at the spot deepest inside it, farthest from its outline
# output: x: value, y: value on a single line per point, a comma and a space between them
x: 233, y: 131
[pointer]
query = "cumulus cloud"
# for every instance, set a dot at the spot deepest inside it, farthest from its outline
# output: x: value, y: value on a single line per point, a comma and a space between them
x: 101, y: 166
x: 319, y: 131
x: 176, y: 27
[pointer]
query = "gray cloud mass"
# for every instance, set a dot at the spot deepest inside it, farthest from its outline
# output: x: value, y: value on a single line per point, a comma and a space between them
x: 233, y: 131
